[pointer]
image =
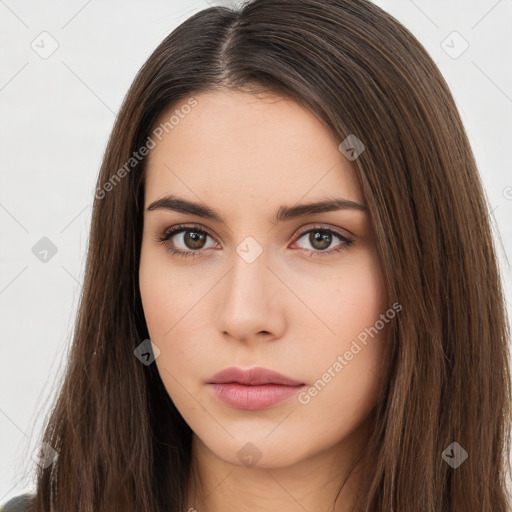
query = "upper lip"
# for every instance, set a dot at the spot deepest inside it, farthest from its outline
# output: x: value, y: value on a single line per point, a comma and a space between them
x: 252, y: 377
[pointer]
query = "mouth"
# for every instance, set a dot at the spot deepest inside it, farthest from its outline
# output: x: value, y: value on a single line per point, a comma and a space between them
x: 252, y: 389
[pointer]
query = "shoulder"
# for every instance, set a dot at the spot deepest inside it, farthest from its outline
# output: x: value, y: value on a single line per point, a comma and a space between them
x: 17, y: 504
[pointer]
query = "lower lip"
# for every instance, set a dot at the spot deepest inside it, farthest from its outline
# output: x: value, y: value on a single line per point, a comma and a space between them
x: 253, y: 398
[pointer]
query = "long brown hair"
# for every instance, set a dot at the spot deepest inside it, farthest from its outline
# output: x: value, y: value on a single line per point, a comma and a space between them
x: 122, y: 444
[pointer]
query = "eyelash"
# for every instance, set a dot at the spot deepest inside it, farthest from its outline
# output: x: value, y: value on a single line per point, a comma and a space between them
x: 169, y: 233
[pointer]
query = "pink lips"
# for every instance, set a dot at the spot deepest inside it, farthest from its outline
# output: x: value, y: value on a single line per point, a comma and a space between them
x: 252, y: 389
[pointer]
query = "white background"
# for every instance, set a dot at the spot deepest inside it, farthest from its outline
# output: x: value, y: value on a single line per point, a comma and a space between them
x: 57, y: 114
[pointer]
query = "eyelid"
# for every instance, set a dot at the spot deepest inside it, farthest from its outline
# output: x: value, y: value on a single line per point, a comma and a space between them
x: 338, y: 231
x: 178, y: 228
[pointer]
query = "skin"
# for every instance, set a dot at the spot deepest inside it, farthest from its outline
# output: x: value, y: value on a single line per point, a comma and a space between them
x: 245, y: 156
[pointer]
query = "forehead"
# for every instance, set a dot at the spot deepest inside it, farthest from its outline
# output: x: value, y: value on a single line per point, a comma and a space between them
x: 236, y: 144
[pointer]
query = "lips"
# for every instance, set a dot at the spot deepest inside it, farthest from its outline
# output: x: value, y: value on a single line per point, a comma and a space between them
x: 256, y: 376
x: 252, y: 389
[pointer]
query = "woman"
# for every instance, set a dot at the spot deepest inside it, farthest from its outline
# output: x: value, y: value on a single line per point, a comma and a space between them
x: 291, y: 298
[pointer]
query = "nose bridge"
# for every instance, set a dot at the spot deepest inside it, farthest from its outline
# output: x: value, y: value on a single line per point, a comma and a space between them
x: 249, y: 276
x: 248, y: 300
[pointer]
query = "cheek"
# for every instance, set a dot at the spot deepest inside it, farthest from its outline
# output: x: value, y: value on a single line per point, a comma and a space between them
x: 351, y: 299
x: 346, y: 366
x: 168, y: 300
x: 164, y: 293
x: 163, y: 301
x: 362, y: 296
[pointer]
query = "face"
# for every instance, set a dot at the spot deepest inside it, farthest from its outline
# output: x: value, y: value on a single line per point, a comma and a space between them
x: 297, y: 295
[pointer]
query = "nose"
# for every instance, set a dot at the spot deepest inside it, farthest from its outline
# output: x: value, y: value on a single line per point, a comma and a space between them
x: 252, y: 302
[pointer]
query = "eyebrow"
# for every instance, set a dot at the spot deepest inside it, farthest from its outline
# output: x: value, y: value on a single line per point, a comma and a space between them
x: 284, y: 213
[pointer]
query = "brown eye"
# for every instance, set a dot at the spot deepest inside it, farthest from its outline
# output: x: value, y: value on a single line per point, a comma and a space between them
x: 320, y: 239
x: 194, y: 239
x: 184, y: 240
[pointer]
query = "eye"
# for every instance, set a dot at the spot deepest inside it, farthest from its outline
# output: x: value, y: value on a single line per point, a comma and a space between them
x: 193, y: 239
x: 320, y: 238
